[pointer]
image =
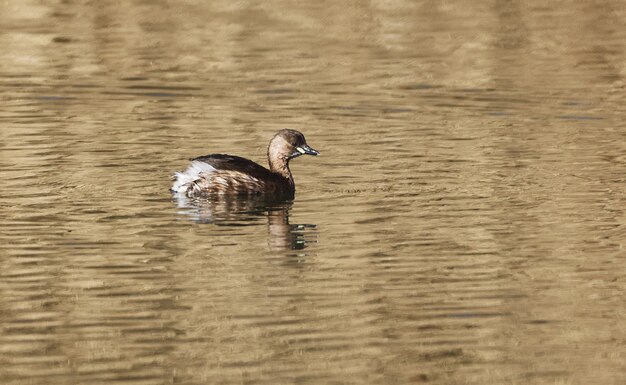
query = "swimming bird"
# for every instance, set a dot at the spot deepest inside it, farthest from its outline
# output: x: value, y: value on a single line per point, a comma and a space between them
x: 216, y: 175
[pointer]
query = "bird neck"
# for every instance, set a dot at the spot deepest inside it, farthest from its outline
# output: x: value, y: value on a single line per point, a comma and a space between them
x: 280, y: 166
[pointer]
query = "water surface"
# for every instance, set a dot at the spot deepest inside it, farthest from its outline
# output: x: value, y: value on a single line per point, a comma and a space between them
x: 464, y: 224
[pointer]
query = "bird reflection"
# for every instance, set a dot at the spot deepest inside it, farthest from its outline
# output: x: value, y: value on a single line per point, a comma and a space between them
x: 235, y: 211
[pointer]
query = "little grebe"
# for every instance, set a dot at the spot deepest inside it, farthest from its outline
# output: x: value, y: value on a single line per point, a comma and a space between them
x: 219, y: 174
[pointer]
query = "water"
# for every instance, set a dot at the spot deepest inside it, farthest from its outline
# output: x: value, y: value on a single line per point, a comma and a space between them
x: 464, y: 224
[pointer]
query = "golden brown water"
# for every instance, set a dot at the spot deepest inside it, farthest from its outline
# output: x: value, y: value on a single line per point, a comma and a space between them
x: 464, y: 224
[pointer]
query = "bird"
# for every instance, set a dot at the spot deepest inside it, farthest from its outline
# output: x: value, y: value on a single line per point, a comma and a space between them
x: 218, y: 175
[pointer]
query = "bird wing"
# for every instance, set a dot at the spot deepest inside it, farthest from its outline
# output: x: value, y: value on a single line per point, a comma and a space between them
x: 223, y: 162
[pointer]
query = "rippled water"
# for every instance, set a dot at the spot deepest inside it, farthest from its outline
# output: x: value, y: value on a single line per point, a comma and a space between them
x: 464, y: 224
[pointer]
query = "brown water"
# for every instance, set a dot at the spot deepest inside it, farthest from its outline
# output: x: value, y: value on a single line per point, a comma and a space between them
x: 465, y: 223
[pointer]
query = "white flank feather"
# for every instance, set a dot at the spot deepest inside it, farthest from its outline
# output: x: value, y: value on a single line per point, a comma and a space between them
x: 195, y: 171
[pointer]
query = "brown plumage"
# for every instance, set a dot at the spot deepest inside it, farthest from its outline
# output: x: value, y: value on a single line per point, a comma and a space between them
x: 219, y: 174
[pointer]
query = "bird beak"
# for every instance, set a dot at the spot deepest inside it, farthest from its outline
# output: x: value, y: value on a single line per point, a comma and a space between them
x: 306, y: 150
